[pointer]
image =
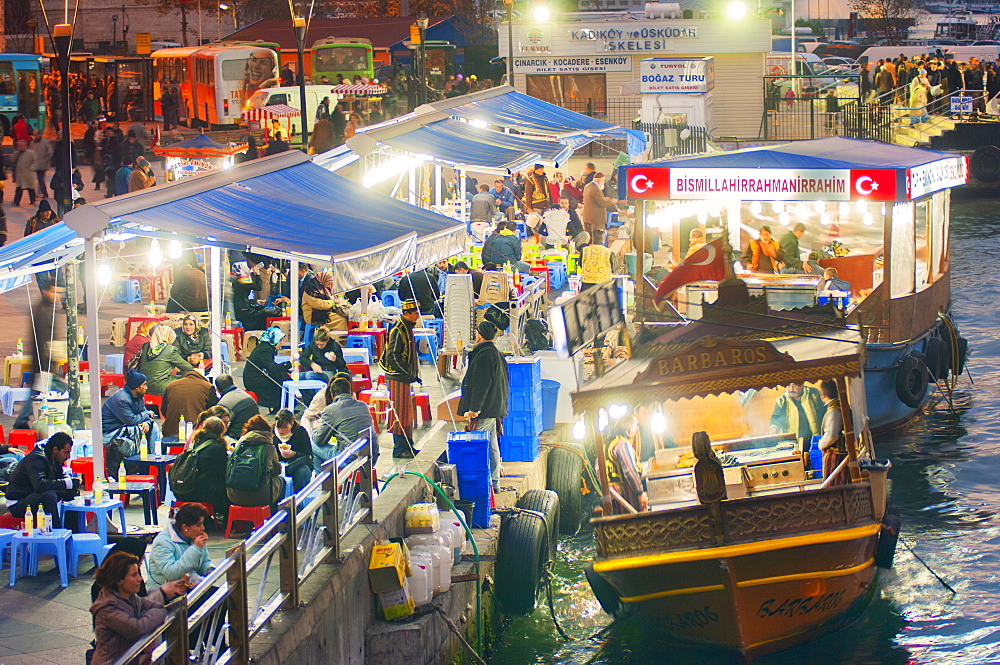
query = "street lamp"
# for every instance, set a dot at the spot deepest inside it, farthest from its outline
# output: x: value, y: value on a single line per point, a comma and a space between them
x: 224, y: 7
x: 62, y: 35
x: 509, y: 5
x: 422, y: 23
x: 299, y: 24
x: 114, y: 31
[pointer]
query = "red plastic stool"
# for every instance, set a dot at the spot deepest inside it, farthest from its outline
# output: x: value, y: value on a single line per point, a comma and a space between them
x: 423, y: 402
x: 1, y: 434
x: 23, y: 438
x: 209, y: 508
x: 84, y: 465
x: 154, y: 400
x: 256, y: 514
x: 375, y: 418
x: 144, y: 479
x: 8, y: 521
x: 109, y: 380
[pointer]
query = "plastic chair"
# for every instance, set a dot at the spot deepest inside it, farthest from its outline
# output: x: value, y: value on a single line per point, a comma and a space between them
x: 115, y: 363
x: 84, y: 465
x: 81, y: 544
x: 391, y: 298
x: 431, y: 338
x: 423, y: 402
x: 256, y: 514
x: 291, y: 388
x: 128, y: 291
x: 356, y: 355
x: 24, y: 439
x: 362, y: 341
x: 154, y: 401
x: 360, y: 368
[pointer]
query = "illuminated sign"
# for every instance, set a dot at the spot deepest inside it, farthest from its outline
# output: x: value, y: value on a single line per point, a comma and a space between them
x: 634, y: 40
x: 676, y: 75
x: 651, y: 182
x: 710, y: 354
x: 573, y: 65
x: 943, y: 173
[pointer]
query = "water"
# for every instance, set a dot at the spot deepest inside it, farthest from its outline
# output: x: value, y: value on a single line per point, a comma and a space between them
x: 945, y: 476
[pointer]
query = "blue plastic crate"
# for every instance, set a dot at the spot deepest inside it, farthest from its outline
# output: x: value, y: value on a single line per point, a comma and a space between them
x: 523, y: 423
x: 518, y: 448
x: 522, y: 400
x: 525, y: 372
x: 469, y: 451
x: 476, y: 486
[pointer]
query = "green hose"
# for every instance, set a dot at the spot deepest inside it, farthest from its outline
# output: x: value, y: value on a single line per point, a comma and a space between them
x: 472, y: 539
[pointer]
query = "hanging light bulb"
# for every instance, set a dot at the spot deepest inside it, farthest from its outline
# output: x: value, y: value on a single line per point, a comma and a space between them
x: 867, y: 219
x: 616, y: 411
x: 174, y: 249
x: 802, y: 211
x: 579, y: 430
x: 658, y: 422
x: 104, y: 274
x: 755, y: 207
x: 779, y: 206
x: 844, y: 208
x: 825, y: 219
x: 602, y: 420
x: 702, y: 216
x: 155, y: 255
x: 785, y: 219
x: 862, y: 206
x: 883, y: 210
x: 715, y: 211
x: 819, y: 206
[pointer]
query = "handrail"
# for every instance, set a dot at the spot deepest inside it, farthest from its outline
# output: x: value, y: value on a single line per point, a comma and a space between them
x: 309, y: 525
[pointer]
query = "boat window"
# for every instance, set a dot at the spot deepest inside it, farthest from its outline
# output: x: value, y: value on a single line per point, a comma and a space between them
x: 939, y: 231
x: 920, y: 237
x: 902, y: 250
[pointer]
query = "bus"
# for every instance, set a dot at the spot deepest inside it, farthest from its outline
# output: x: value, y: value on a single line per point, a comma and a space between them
x: 214, y: 81
x: 21, y: 90
x: 348, y: 56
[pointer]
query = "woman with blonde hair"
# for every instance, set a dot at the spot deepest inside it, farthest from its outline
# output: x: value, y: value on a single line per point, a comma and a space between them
x: 158, y: 359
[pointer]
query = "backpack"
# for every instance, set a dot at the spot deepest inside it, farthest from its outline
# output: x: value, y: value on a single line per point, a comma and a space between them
x: 184, y: 472
x: 536, y: 335
x: 245, y: 469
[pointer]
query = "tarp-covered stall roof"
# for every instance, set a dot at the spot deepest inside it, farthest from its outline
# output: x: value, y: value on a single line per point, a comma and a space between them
x: 36, y: 253
x: 285, y: 205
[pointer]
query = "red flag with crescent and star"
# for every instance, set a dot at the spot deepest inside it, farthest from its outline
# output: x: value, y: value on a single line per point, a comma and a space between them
x: 707, y: 263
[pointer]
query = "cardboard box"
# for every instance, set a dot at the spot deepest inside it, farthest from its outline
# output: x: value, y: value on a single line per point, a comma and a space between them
x: 448, y: 409
x: 387, y: 567
x: 396, y: 604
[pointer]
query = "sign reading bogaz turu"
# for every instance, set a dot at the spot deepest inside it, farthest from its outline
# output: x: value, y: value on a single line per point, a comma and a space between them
x: 658, y: 75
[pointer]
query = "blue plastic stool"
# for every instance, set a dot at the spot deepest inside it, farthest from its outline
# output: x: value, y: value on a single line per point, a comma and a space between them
x: 33, y: 546
x: 114, y: 363
x: 289, y: 487
x: 362, y: 342
x: 557, y: 275
x: 27, y: 378
x: 357, y: 355
x: 307, y: 335
x: 81, y: 544
x: 522, y: 229
x: 437, y: 324
x: 391, y: 298
x: 290, y: 388
x: 128, y: 291
x: 6, y: 535
x: 431, y: 337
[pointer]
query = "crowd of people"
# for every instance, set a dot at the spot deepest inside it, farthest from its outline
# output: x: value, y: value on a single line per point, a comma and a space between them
x: 919, y: 81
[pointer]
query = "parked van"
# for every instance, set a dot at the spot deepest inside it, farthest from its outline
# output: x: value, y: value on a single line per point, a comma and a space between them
x: 807, y: 64
x: 984, y: 52
x: 289, y: 96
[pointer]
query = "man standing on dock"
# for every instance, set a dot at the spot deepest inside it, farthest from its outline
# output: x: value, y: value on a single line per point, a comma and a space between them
x: 485, y: 390
x: 401, y: 365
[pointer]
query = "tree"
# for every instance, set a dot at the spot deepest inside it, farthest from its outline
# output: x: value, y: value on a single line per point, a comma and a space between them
x: 885, y: 16
x: 166, y: 7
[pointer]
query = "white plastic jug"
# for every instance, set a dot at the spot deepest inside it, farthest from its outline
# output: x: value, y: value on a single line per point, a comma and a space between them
x: 421, y: 580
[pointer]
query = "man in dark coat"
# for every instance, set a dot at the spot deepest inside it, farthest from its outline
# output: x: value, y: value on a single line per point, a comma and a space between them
x: 186, y: 398
x: 790, y: 248
x: 38, y: 480
x: 485, y: 389
x: 422, y: 286
x: 401, y: 366
x: 241, y: 405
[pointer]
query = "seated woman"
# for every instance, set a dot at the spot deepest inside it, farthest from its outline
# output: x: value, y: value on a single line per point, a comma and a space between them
x: 255, y: 457
x: 121, y: 616
x: 158, y: 359
x: 208, y: 443
x: 262, y: 374
x: 294, y: 448
x: 140, y: 337
x: 181, y: 550
x: 194, y: 342
x: 323, y: 357
x: 217, y: 411
x: 311, y: 416
x: 252, y: 313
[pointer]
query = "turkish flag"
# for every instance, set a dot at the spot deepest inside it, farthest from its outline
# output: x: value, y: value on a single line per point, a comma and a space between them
x: 707, y: 263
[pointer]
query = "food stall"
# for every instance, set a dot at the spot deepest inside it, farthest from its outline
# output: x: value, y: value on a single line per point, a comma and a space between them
x: 196, y: 156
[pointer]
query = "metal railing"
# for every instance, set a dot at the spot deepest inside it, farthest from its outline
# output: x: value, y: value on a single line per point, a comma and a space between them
x: 670, y: 139
x: 802, y: 107
x: 216, y: 621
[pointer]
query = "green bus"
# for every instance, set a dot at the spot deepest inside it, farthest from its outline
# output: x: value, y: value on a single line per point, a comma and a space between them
x: 348, y: 56
x: 21, y: 90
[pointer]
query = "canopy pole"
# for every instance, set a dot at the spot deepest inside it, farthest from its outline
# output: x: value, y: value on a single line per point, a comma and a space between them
x: 437, y: 185
x: 215, y: 307
x: 640, y: 263
x: 412, y: 194
x: 293, y: 331
x: 461, y: 198
x: 94, y: 357
x: 602, y: 462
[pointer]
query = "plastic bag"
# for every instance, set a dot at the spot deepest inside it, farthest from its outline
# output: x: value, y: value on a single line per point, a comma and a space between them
x: 375, y: 309
x: 356, y: 311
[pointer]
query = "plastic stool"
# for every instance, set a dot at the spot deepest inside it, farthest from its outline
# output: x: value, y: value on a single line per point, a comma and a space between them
x: 81, y: 544
x: 362, y: 342
x: 390, y: 298
x: 111, y: 380
x: 360, y: 368
x: 291, y: 388
x: 356, y: 355
x: 115, y: 363
x: 128, y: 291
x: 307, y: 335
x: 6, y: 535
x: 23, y: 438
x: 252, y: 394
x: 557, y: 275
x: 431, y: 337
x: 27, y: 378
x: 256, y: 514
x: 208, y: 508
x: 423, y: 402
x: 375, y: 418
x: 8, y: 521
x: 289, y: 487
x: 436, y: 324
x: 84, y: 465
x: 154, y: 400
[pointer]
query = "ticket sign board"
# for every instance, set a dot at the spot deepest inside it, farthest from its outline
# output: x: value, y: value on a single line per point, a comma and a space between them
x: 143, y: 43
x: 573, y: 64
x: 659, y: 75
x: 698, y: 184
x: 961, y: 104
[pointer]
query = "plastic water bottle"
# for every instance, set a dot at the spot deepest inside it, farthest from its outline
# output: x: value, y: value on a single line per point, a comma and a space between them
x: 29, y: 523
x: 41, y: 522
x: 816, y: 457
x: 98, y: 491
x: 143, y: 453
x: 182, y: 429
x: 229, y: 320
x: 20, y: 348
x: 458, y: 344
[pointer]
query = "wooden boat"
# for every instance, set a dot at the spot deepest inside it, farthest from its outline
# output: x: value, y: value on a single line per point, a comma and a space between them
x: 879, y: 214
x: 779, y: 556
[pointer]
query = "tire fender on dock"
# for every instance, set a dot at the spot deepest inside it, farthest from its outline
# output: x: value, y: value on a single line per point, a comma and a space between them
x: 888, y: 537
x: 938, y: 359
x: 911, y: 379
x: 985, y: 163
x: 545, y: 502
x: 565, y: 478
x: 521, y: 556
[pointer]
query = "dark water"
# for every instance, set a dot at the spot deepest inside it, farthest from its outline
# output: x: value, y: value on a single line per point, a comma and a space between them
x: 945, y: 477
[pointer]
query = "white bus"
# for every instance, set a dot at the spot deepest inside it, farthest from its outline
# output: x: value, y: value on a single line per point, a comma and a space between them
x: 214, y: 81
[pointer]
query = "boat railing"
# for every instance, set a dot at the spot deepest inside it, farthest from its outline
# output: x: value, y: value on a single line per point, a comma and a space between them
x: 219, y: 618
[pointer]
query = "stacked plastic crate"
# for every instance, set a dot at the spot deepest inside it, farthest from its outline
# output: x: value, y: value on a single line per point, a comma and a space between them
x: 523, y: 423
x: 470, y: 453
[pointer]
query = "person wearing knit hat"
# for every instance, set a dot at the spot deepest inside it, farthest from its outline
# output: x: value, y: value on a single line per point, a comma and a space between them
x: 485, y: 389
x: 127, y: 424
x: 401, y: 366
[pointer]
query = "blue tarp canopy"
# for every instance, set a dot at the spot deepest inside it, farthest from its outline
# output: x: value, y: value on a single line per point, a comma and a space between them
x: 285, y: 205
x: 36, y: 253
x: 830, y: 153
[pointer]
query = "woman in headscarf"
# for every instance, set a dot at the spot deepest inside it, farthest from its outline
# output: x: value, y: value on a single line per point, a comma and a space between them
x: 263, y: 374
x: 194, y: 341
x: 158, y: 359
x: 140, y: 337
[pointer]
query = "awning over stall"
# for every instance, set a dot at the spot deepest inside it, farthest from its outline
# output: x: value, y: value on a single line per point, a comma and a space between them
x: 36, y: 253
x: 285, y: 205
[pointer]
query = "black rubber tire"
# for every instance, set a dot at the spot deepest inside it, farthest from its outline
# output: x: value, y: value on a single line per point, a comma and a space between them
x: 938, y: 359
x: 606, y: 594
x: 521, y: 557
x: 985, y: 163
x: 911, y: 380
x: 545, y: 502
x: 565, y: 478
x: 963, y: 352
x: 888, y: 537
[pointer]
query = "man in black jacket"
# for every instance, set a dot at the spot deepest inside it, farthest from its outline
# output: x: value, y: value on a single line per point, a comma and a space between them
x: 39, y: 480
x: 422, y: 286
x: 401, y: 366
x: 485, y: 389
